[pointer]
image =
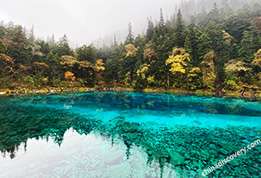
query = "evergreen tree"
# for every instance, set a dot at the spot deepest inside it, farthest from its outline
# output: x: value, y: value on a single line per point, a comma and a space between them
x: 250, y: 43
x: 214, y: 14
x: 63, y: 47
x: 87, y: 53
x: 179, y: 32
x: 236, y: 24
x: 130, y: 37
x: 115, y: 43
x: 17, y: 44
x: 203, y: 46
x: 150, y: 30
x: 161, y: 22
x: 191, y: 42
x: 221, y: 47
x: 214, y: 41
x: 162, y: 30
x: 188, y: 45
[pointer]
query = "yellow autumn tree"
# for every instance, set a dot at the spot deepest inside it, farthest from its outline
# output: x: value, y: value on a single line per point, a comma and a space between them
x: 41, y: 65
x: 236, y: 66
x: 131, y: 50
x: 85, y: 64
x: 6, y: 63
x: 150, y: 79
x: 99, y: 67
x: 209, y: 70
x: 69, y: 61
x: 236, y: 72
x: 144, y: 68
x: 257, y: 61
x: 227, y: 36
x: 178, y: 60
x: 149, y: 53
x: 45, y: 80
x: 127, y: 79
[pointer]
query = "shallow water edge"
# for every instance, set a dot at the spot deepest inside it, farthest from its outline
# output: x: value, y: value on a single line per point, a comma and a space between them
x: 248, y: 95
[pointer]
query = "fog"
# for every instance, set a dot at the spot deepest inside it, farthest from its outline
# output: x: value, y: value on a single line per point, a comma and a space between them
x: 89, y: 21
x: 83, y: 21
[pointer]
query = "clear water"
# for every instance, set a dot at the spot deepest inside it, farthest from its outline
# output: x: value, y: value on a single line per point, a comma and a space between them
x: 126, y: 134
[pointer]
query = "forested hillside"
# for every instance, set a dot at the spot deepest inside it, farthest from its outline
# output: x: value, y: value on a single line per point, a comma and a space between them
x: 216, y: 50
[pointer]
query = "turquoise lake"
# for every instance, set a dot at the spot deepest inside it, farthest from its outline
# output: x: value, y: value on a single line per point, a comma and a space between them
x: 127, y: 134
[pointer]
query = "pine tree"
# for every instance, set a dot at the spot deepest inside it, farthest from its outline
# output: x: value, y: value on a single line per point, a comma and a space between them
x: 161, y: 22
x: 162, y: 30
x: 31, y: 35
x: 63, y: 46
x: 191, y: 41
x: 188, y: 46
x: 179, y: 32
x: 115, y: 43
x: 204, y: 46
x: 52, y: 40
x: 130, y: 37
x: 214, y: 14
x: 250, y: 43
x: 150, y: 30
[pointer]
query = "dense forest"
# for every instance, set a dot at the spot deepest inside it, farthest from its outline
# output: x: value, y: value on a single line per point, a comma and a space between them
x: 215, y: 50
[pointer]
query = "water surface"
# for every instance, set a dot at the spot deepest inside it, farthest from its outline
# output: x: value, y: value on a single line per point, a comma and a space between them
x: 126, y: 134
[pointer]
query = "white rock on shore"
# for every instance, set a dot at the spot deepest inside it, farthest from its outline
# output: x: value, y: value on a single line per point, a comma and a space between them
x: 2, y: 92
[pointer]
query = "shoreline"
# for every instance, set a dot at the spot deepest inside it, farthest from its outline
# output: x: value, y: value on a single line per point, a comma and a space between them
x: 55, y: 90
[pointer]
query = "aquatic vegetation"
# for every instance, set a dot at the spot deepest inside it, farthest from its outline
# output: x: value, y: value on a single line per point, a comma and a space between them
x: 189, y: 149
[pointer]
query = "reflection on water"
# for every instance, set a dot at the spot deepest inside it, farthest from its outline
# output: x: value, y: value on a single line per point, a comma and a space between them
x: 80, y: 156
x: 169, y: 135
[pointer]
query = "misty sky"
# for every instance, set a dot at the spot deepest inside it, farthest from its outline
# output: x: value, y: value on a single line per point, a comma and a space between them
x: 83, y: 21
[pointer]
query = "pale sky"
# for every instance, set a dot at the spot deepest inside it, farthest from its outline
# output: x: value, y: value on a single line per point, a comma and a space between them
x: 83, y: 21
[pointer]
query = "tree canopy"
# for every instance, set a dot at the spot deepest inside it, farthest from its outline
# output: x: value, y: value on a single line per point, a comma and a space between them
x: 219, y: 47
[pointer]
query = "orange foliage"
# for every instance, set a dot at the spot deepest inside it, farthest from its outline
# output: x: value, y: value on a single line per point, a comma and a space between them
x: 68, y: 60
x: 69, y: 76
x: 41, y: 65
x: 9, y: 43
x: 6, y: 58
x: 227, y: 36
x: 149, y: 53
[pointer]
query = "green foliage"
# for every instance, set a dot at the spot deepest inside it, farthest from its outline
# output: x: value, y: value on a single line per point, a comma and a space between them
x: 130, y: 37
x: 87, y: 53
x: 194, y: 79
x: 180, y: 28
x: 111, y: 71
x: 231, y: 84
x: 250, y: 43
x: 150, y: 30
x: 236, y: 74
x: 204, y: 46
x: 29, y: 79
x: 63, y: 48
x: 203, y: 57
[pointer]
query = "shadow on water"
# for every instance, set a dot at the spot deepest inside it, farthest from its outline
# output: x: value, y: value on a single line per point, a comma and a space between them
x: 188, y: 149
